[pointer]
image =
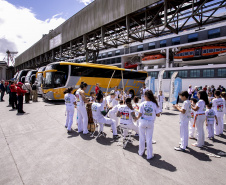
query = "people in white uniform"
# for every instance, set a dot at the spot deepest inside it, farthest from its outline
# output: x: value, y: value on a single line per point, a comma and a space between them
x: 98, y: 111
x: 200, y: 117
x: 70, y: 102
x: 113, y: 112
x: 136, y: 107
x: 117, y: 93
x: 127, y: 114
x: 223, y: 94
x: 192, y: 120
x: 81, y: 109
x: 185, y: 115
x: 218, y: 107
x: 127, y: 95
x: 210, y: 116
x: 113, y: 102
x: 142, y: 92
x: 148, y: 111
x: 92, y: 97
x: 161, y: 99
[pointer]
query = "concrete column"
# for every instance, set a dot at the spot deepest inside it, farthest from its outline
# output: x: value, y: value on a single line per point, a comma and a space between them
x: 3, y: 72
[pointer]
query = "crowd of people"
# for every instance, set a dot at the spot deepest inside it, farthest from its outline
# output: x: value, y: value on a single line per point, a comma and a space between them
x: 16, y: 93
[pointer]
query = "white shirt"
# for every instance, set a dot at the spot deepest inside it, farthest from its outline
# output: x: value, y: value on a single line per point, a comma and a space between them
x: 96, y: 111
x: 224, y: 105
x: 91, y: 99
x: 69, y: 99
x: 128, y: 96
x: 125, y: 114
x: 218, y: 106
x: 115, y: 108
x: 111, y: 101
x: 136, y: 107
x: 80, y: 101
x: 190, y: 90
x: 210, y: 114
x: 117, y: 93
x: 193, y: 114
x: 187, y: 107
x: 202, y: 107
x: 144, y: 90
x: 161, y: 98
x: 148, y: 109
x: 210, y: 99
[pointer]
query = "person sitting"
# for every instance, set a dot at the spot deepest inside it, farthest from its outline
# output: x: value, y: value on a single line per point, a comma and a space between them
x: 99, y: 115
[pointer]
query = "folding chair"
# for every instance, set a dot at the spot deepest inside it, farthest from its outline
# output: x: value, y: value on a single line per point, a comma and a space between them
x: 125, y: 135
x: 99, y: 132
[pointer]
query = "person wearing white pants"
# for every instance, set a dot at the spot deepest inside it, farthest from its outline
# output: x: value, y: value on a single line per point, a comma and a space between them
x: 127, y: 114
x: 81, y: 109
x: 112, y: 102
x: 70, y: 102
x: 148, y: 111
x: 185, y: 115
x: 218, y: 107
x: 192, y: 129
x: 161, y: 99
x: 98, y: 115
x: 200, y: 117
x: 210, y: 115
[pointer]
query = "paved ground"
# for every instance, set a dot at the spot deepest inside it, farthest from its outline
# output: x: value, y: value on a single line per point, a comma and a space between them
x: 35, y: 149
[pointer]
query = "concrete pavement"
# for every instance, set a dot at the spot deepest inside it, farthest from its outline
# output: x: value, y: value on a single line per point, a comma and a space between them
x: 36, y: 149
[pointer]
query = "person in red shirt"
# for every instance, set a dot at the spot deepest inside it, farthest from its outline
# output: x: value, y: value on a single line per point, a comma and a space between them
x: 97, y: 88
x: 13, y: 90
x: 20, y: 94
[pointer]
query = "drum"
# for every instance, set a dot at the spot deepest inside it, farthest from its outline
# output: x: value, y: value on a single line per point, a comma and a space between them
x: 91, y: 125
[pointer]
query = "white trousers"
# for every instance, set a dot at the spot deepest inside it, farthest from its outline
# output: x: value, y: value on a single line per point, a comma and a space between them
x: 112, y: 115
x: 108, y: 121
x: 191, y: 128
x: 218, y: 129
x: 70, y: 114
x: 200, y: 130
x: 210, y: 130
x: 184, y: 133
x: 82, y: 119
x: 160, y: 106
x: 130, y: 127
x: 145, y: 134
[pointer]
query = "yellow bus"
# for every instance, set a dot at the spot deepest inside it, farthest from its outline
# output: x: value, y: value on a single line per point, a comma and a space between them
x: 60, y: 75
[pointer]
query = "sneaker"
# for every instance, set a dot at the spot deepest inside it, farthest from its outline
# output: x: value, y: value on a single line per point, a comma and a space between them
x: 151, y: 157
x: 65, y: 126
x: 179, y: 149
x: 116, y: 136
x: 68, y: 131
x: 153, y: 142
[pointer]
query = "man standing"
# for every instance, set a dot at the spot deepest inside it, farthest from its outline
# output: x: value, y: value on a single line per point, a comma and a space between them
x: 97, y: 89
x: 142, y: 92
x: 34, y: 92
x: 190, y: 91
x: 13, y: 90
x: 27, y: 87
x: 20, y: 93
x: 2, y: 90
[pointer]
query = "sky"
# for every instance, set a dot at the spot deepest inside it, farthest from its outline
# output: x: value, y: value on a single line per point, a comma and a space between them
x: 23, y: 22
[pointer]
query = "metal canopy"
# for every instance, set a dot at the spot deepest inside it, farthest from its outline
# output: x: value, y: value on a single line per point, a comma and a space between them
x: 158, y: 19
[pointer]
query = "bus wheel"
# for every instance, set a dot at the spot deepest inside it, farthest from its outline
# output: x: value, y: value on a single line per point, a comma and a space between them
x: 132, y: 93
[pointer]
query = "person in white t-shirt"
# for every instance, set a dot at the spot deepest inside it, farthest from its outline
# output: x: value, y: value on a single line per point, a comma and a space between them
x: 185, y: 115
x: 111, y: 100
x: 223, y: 94
x: 200, y: 117
x: 113, y: 112
x: 210, y: 115
x: 117, y: 93
x: 218, y: 106
x: 92, y: 97
x: 98, y: 115
x: 142, y: 92
x: 190, y: 91
x: 161, y: 99
x: 210, y: 97
x: 192, y: 120
x: 127, y: 95
x: 70, y: 102
x: 127, y: 114
x: 136, y: 107
x: 81, y: 109
x: 148, y: 111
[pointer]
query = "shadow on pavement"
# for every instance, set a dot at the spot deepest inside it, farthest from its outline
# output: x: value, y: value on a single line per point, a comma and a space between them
x: 54, y: 102
x: 22, y: 114
x: 106, y: 141
x: 73, y: 134
x: 169, y: 113
x: 86, y: 136
x: 212, y: 150
x: 198, y: 155
x: 162, y: 164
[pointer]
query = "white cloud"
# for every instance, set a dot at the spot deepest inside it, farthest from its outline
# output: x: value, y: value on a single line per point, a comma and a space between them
x: 20, y: 29
x: 86, y: 2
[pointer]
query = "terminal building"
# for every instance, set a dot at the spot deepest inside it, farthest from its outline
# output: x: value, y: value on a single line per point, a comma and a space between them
x: 185, y: 36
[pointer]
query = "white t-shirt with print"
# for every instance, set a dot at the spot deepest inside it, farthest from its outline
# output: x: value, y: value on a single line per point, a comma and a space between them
x: 187, y: 107
x: 202, y: 107
x: 218, y: 106
x: 69, y: 99
x: 96, y: 111
x: 210, y: 114
x: 148, y: 109
x: 125, y: 114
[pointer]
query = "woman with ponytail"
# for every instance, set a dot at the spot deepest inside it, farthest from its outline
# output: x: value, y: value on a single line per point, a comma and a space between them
x: 200, y: 117
x: 148, y: 111
x: 81, y: 109
x: 70, y: 102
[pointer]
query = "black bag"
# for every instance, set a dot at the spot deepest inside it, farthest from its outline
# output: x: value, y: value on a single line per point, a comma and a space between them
x: 34, y: 87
